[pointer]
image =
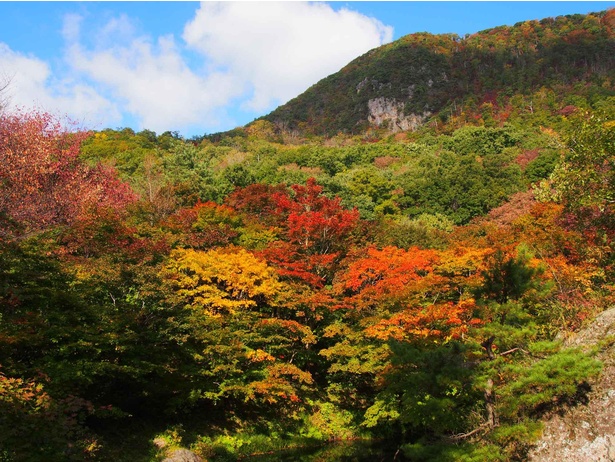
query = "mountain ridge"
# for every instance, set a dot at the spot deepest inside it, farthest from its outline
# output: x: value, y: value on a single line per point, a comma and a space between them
x: 401, y: 85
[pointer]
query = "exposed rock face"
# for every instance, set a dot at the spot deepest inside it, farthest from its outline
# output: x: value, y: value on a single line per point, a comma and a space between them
x: 388, y: 112
x: 373, y: 84
x: 586, y: 433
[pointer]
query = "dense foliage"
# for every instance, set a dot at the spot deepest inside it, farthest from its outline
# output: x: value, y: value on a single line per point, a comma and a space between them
x: 253, y: 292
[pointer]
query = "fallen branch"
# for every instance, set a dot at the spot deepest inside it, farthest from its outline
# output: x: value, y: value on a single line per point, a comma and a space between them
x: 512, y: 350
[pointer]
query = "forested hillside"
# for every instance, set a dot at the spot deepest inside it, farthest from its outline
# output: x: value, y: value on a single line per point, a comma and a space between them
x: 490, y: 74
x: 313, y: 287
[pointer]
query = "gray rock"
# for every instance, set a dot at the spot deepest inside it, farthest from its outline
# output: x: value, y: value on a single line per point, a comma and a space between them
x: 182, y: 455
x: 585, y: 433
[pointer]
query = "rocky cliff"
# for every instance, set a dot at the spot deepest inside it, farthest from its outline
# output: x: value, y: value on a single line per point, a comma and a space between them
x: 586, y: 433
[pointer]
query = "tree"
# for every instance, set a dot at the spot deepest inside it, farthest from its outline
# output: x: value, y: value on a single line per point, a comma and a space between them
x: 242, y: 351
x: 4, y: 97
x: 508, y: 277
x: 259, y: 201
x: 158, y: 196
x: 315, y: 223
x: 42, y: 180
x: 36, y: 427
x: 585, y: 180
x: 316, y: 232
x: 384, y: 276
x: 220, y: 282
x: 205, y: 225
x: 437, y: 323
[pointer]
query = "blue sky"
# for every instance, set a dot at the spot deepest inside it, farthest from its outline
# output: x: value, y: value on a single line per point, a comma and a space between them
x: 200, y: 68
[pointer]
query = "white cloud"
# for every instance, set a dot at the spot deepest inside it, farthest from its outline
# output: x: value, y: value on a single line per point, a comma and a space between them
x: 153, y: 82
x: 236, y: 61
x: 281, y: 48
x: 32, y: 84
x: 71, y: 27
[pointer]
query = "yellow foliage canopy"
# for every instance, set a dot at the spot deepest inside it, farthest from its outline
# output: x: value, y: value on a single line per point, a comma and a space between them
x: 220, y: 281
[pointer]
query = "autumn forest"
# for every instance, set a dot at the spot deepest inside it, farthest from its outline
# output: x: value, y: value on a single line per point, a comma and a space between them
x: 314, y: 282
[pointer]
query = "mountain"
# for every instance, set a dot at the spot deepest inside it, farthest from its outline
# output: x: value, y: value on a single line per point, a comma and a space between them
x: 402, y: 85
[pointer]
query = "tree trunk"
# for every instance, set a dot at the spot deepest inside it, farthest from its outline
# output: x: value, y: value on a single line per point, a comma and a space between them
x: 492, y: 417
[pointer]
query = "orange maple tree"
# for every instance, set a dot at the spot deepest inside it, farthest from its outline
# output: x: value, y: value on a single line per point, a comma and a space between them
x: 383, y: 274
x: 439, y: 322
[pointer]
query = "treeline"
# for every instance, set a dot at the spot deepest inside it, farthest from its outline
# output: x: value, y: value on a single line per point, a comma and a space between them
x: 455, y: 177
x: 243, y: 295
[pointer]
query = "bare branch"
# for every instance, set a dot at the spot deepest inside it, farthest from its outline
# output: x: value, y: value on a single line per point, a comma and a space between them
x: 5, y: 82
x: 462, y: 436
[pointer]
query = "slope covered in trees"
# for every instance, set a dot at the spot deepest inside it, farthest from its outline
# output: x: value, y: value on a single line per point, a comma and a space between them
x: 262, y: 292
x: 420, y: 76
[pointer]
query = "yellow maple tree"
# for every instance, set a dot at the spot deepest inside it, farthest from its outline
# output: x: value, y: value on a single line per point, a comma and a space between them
x: 220, y: 281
